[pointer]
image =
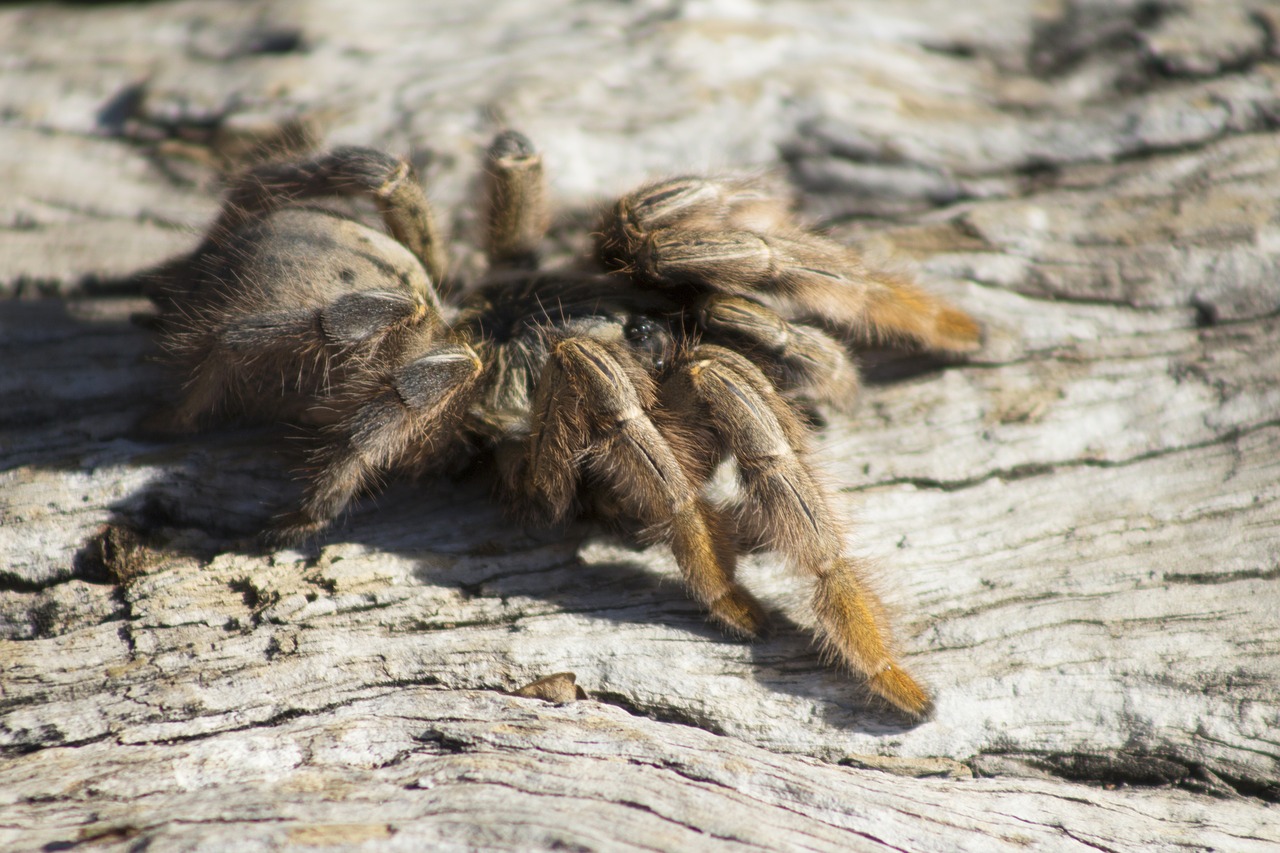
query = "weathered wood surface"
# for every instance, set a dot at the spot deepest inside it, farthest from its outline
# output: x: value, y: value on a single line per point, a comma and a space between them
x: 1079, y: 528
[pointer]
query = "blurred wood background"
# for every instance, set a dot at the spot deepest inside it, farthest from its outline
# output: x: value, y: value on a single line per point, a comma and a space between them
x: 1078, y: 528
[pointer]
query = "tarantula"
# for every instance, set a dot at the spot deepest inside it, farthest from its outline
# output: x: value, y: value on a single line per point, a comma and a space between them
x: 705, y: 323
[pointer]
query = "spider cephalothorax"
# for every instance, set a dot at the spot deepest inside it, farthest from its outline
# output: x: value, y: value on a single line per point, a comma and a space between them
x: 706, y: 322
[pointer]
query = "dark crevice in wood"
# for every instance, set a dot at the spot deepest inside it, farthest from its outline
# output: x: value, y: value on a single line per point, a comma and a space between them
x: 659, y: 712
x: 1129, y: 768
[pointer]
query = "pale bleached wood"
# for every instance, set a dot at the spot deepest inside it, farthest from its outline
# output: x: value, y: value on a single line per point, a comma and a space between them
x: 1078, y: 529
x: 412, y: 768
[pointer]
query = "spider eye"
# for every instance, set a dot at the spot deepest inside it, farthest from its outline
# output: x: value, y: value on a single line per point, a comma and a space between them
x: 647, y: 338
x: 640, y: 330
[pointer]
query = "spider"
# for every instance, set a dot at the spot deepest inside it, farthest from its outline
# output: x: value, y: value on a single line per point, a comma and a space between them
x: 704, y: 325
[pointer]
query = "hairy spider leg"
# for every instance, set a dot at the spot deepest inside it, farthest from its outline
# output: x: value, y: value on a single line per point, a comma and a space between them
x: 805, y: 362
x: 805, y: 276
x: 897, y: 309
x: 691, y: 203
x: 591, y: 411
x: 735, y: 236
x: 407, y: 411
x: 786, y: 508
x: 518, y: 209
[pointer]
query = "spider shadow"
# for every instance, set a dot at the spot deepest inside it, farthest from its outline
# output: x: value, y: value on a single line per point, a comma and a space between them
x: 547, y: 564
x: 71, y: 375
x: 882, y: 366
x: 486, y: 556
x: 77, y: 378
